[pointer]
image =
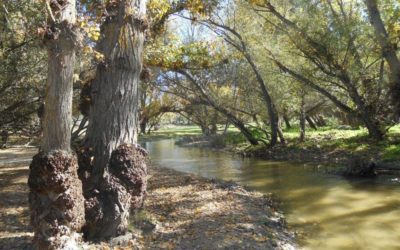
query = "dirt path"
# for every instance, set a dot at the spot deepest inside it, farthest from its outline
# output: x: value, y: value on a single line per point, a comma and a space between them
x: 181, y: 211
x: 15, y: 232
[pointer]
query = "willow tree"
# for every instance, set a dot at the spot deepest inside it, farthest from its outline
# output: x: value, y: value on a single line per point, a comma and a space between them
x: 115, y: 163
x: 55, y: 198
x: 326, y: 56
x: 236, y: 40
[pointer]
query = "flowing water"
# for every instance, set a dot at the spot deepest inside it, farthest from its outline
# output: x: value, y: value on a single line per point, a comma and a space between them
x: 332, y: 212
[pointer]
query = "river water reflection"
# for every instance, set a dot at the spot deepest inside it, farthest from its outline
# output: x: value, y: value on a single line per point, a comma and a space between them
x: 333, y: 212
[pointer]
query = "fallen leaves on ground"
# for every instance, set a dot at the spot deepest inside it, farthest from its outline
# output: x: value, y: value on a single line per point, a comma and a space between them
x: 181, y: 211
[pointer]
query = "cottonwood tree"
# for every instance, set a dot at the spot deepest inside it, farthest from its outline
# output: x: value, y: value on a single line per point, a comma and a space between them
x: 55, y: 198
x: 112, y: 165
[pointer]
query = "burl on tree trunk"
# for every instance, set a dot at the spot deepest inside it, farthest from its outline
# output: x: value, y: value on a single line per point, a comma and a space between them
x: 121, y: 189
x: 56, y: 200
x: 55, y: 196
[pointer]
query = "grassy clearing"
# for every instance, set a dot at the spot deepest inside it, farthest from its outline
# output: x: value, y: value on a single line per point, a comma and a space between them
x: 353, y: 141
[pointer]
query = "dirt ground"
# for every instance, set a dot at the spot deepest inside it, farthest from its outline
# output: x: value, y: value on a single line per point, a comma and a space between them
x: 181, y: 211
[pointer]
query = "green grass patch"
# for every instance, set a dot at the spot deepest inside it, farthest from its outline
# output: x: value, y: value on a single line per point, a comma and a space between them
x: 391, y: 153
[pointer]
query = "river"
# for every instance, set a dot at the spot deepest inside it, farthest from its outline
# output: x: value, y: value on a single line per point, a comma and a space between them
x: 330, y: 212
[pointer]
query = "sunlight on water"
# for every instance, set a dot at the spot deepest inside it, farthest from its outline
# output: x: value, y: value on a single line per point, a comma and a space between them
x: 331, y: 212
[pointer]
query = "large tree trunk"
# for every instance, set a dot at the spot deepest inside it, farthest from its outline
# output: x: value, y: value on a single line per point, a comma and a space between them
x: 114, y: 111
x: 55, y: 198
x: 122, y: 189
x: 116, y: 184
x: 389, y: 52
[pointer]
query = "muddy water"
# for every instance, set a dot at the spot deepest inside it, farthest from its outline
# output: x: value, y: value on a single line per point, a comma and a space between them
x: 332, y: 212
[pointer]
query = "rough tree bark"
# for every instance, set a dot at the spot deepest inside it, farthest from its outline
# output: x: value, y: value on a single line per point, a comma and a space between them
x: 55, y: 198
x: 112, y: 165
x: 113, y: 114
x: 121, y: 190
x: 388, y: 51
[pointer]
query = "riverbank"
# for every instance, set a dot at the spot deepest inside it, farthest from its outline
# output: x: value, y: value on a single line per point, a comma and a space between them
x: 182, y: 211
x: 327, y: 146
x: 197, y: 213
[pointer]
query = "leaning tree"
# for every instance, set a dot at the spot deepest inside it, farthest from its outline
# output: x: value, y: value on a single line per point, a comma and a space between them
x: 389, y: 52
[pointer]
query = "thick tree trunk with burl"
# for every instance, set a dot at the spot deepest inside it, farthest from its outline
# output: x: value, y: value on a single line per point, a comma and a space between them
x: 122, y: 189
x: 114, y: 179
x: 55, y: 199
